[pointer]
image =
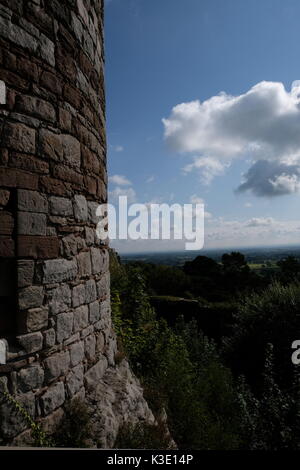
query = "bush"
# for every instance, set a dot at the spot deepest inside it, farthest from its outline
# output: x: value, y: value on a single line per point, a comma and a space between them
x: 75, y: 429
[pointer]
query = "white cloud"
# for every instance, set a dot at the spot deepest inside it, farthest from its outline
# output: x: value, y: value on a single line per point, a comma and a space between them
x: 248, y: 204
x: 194, y: 199
x: 150, y: 179
x: 262, y: 124
x: 117, y: 148
x: 113, y: 195
x: 120, y: 180
x: 260, y: 222
x: 252, y: 232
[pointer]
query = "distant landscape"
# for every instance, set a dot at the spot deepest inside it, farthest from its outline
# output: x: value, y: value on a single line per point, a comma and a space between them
x: 257, y: 258
x: 210, y: 337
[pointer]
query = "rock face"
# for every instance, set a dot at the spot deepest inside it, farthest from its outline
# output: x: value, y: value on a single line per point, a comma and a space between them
x: 54, y: 273
x: 115, y: 400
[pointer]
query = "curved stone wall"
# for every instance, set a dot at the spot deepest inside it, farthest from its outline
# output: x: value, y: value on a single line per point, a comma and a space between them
x: 54, y: 300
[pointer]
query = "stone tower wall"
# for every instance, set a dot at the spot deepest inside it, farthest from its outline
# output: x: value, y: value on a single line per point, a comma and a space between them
x: 54, y: 294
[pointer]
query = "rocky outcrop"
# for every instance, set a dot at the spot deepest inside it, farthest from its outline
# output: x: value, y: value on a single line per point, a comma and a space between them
x: 116, y: 400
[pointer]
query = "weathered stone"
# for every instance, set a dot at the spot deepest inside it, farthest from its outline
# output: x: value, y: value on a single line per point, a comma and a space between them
x: 90, y: 291
x: 10, y: 423
x: 80, y: 208
x: 37, y: 319
x: 87, y: 331
x: 46, y: 50
x: 76, y: 353
x: 60, y: 147
x: 90, y: 347
x: 72, y: 244
x: 59, y: 299
x: 38, y: 247
x: 61, y: 206
x: 98, y: 260
x: 84, y: 264
x: 53, y: 398
x: 65, y: 120
x: 32, y: 342
x: 92, y: 208
x: 31, y: 223
x: 25, y: 273
x: 81, y: 318
x: 73, y: 339
x: 37, y: 107
x: 74, y: 381
x: 64, y: 326
x: 57, y: 365
x: 95, y: 374
x: 19, y: 137
x: 32, y: 201
x: 71, y: 150
x: 94, y: 311
x: 105, y: 309
x: 6, y: 223
x: 51, y: 423
x: 100, y: 344
x: 89, y: 236
x: 4, y: 197
x: 30, y: 378
x: 59, y: 270
x: 103, y: 286
x: 31, y: 297
x: 78, y: 295
x: 49, y: 338
x: 50, y: 145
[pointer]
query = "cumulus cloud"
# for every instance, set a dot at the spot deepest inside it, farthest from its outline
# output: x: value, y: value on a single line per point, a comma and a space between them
x: 259, y: 222
x: 113, y: 196
x: 271, y: 178
x: 262, y: 124
x: 120, y: 180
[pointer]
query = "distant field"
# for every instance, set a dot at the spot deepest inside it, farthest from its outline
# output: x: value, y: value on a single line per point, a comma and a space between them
x: 265, y: 265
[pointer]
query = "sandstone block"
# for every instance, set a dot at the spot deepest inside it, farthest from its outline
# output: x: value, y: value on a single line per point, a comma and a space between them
x: 61, y: 206
x: 30, y: 378
x: 64, y: 326
x: 78, y: 295
x: 80, y: 208
x: 32, y: 342
x: 84, y: 264
x: 96, y: 372
x: 90, y: 291
x: 59, y: 299
x: 81, y: 318
x: 94, y: 309
x: 74, y: 381
x: 32, y: 201
x: 49, y: 338
x: 57, y: 365
x: 19, y: 137
x: 30, y: 223
x: 90, y: 347
x: 59, y: 270
x: 53, y: 398
x: 30, y: 297
x: 76, y: 353
x: 37, y: 319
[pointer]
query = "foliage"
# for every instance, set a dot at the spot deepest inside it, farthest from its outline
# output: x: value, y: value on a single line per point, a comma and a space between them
x: 142, y: 436
x: 224, y: 373
x: 75, y: 429
x: 268, y: 317
x: 39, y: 437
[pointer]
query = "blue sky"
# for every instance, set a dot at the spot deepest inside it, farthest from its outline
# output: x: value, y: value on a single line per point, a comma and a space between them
x: 162, y: 53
